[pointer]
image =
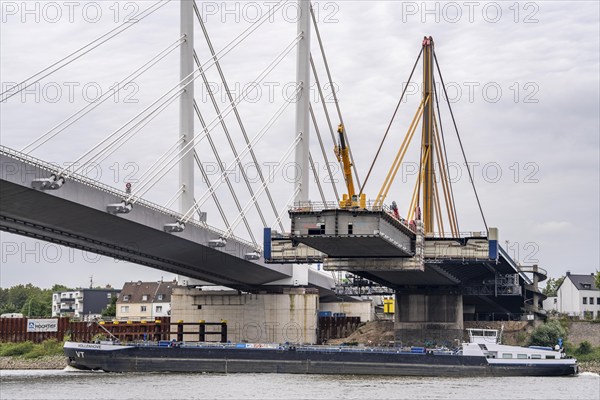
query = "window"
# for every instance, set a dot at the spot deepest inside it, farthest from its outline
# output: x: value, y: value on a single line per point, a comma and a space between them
x: 125, y: 309
x: 109, y: 295
x: 158, y: 308
x: 159, y: 297
x: 145, y: 297
x: 506, y: 355
x: 597, y: 300
x: 585, y: 300
x: 521, y: 355
x: 536, y: 356
x: 555, y: 301
x: 143, y: 308
x: 126, y: 297
x: 591, y: 300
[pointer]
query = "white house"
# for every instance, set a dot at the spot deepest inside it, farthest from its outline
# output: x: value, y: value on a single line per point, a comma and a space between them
x: 578, y: 296
x: 551, y: 304
x: 86, y: 304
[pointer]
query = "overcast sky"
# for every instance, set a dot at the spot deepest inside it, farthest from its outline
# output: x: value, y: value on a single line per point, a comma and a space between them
x: 522, y: 78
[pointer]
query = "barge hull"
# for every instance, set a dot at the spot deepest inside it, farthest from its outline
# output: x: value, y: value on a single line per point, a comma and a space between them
x: 223, y: 360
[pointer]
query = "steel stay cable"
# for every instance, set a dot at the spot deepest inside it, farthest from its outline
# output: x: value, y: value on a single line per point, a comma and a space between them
x: 278, y: 219
x: 253, y: 142
x: 163, y: 157
x: 272, y: 173
x: 314, y: 170
x: 335, y: 99
x: 105, y: 96
x: 329, y: 125
x: 247, y: 32
x: 214, y: 195
x: 125, y: 25
x: 325, y: 158
x: 127, y: 136
x: 173, y: 198
x: 220, y: 163
x: 237, y: 114
x: 323, y: 102
x: 75, y: 170
x: 192, y: 143
x: 231, y: 144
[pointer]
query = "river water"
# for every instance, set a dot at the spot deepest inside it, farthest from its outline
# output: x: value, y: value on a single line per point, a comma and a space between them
x: 72, y: 384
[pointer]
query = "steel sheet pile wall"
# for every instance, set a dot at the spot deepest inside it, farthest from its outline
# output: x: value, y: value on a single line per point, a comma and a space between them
x: 15, y: 330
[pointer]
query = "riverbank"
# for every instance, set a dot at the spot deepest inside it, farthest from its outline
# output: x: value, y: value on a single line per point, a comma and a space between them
x: 60, y: 362
x: 45, y: 362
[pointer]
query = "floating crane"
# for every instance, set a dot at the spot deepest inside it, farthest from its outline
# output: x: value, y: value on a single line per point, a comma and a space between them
x: 351, y: 199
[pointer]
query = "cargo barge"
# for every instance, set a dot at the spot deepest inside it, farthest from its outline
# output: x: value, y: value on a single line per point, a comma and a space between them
x: 482, y: 356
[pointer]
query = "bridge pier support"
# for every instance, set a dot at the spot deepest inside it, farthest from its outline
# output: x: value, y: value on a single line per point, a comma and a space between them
x: 429, y: 318
x: 290, y: 316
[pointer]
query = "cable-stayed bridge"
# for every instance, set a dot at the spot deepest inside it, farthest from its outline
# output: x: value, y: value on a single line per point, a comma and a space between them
x: 60, y: 205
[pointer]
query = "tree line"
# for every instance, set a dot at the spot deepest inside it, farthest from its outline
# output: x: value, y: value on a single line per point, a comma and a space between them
x: 32, y: 301
x: 28, y: 299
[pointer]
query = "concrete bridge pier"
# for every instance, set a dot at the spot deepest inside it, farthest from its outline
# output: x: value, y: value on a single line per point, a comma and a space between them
x: 429, y: 318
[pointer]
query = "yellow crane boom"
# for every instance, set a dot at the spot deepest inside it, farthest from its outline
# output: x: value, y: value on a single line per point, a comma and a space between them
x: 342, y: 153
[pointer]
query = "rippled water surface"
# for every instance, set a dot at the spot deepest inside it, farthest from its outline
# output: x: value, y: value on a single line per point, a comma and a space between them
x: 71, y: 384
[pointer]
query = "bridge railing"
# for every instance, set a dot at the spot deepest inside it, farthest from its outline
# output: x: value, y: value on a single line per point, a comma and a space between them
x: 55, y: 168
x: 461, y: 235
x: 311, y: 206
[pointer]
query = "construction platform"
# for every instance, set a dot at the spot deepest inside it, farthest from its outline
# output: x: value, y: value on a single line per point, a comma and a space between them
x: 351, y: 232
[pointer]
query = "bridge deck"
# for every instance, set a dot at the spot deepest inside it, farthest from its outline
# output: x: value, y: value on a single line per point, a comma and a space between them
x: 75, y: 215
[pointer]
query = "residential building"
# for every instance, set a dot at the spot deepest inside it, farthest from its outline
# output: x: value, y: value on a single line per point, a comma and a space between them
x: 145, y: 300
x: 551, y: 304
x: 578, y: 296
x: 86, y: 304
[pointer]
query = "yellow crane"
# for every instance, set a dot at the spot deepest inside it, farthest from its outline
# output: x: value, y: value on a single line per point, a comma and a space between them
x: 351, y: 199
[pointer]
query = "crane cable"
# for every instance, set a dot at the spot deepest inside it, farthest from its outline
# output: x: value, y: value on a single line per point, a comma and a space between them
x: 445, y: 155
x: 390, y: 124
x: 460, y: 141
